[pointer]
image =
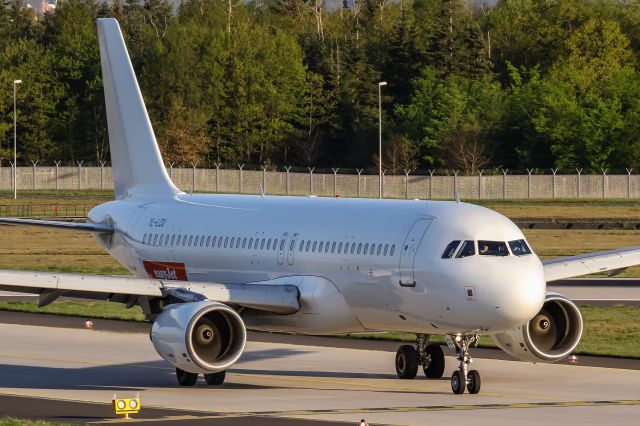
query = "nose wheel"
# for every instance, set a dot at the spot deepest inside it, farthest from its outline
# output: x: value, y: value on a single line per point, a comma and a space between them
x: 463, y: 377
x: 430, y: 357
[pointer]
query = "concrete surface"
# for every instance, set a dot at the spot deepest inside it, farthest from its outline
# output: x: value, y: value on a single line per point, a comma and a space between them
x: 302, y: 383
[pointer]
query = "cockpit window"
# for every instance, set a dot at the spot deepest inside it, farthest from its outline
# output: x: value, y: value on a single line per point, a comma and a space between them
x: 468, y: 249
x: 451, y: 248
x: 519, y: 247
x: 492, y: 248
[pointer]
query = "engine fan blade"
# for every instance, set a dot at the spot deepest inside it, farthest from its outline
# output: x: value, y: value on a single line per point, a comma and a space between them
x: 544, y: 331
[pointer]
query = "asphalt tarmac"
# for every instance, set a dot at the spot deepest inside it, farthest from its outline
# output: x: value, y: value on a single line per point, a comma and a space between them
x: 70, y: 374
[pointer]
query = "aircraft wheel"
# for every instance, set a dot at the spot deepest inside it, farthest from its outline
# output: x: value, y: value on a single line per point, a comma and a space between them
x: 457, y: 382
x: 185, y: 378
x: 407, y: 362
x: 215, y: 379
x: 474, y: 382
x: 435, y: 369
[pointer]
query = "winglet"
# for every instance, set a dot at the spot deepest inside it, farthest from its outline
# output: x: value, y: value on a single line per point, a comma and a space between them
x: 137, y: 164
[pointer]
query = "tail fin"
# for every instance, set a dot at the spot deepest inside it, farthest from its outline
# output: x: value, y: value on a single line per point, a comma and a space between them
x: 137, y: 164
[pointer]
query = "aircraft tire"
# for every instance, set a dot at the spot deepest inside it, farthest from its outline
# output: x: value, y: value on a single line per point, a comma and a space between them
x: 474, y: 382
x: 458, y: 382
x: 215, y: 379
x: 407, y: 362
x: 435, y: 369
x: 185, y: 378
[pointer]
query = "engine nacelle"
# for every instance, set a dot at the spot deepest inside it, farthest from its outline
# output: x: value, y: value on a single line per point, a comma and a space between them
x: 550, y: 336
x: 199, y: 337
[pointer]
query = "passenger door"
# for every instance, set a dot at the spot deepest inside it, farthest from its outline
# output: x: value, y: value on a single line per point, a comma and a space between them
x: 409, y: 249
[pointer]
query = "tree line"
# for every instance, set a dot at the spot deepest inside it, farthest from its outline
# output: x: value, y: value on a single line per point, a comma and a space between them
x: 517, y: 84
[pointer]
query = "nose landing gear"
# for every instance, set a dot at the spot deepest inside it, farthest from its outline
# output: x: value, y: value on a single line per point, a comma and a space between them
x: 463, y: 377
x: 430, y: 357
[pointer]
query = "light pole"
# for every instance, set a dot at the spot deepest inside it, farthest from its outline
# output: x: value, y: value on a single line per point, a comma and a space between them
x: 380, y: 84
x: 15, y: 139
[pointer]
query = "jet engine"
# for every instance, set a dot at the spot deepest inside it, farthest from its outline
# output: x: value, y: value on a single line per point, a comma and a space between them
x: 199, y: 337
x: 550, y: 336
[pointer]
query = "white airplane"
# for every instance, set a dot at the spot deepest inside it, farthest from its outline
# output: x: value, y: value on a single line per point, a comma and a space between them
x: 208, y: 267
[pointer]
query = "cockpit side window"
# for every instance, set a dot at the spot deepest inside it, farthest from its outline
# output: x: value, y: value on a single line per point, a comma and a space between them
x: 519, y: 247
x: 468, y: 249
x: 451, y: 248
x: 492, y: 248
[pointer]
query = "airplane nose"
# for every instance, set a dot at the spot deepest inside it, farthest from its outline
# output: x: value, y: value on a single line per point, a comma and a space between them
x: 520, y: 298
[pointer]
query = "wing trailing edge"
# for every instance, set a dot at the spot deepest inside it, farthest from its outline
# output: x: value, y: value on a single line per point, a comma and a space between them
x: 103, y: 228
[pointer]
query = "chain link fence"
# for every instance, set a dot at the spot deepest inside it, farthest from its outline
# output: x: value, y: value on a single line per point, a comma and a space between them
x: 311, y: 182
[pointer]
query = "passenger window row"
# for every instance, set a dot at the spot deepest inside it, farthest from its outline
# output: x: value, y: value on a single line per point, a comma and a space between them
x: 364, y: 249
x: 183, y: 240
x: 250, y: 243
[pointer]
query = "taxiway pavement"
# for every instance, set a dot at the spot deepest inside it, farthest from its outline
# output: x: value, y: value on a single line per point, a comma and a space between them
x: 71, y: 374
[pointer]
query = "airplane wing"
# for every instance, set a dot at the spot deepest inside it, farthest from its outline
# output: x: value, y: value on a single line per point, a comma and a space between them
x: 612, y: 261
x: 281, y: 299
x: 69, y: 226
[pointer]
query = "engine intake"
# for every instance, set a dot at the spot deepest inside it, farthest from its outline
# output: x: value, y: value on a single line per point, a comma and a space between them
x: 550, y: 336
x: 199, y: 337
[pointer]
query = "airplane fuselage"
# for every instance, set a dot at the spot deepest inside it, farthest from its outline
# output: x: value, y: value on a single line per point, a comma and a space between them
x: 376, y: 265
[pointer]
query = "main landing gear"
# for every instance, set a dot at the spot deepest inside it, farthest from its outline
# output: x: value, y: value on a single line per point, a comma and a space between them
x: 430, y: 357
x: 463, y: 377
x: 189, y: 379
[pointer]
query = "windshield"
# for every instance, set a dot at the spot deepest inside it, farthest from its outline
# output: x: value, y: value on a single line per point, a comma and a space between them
x: 451, y: 248
x: 492, y: 248
x: 519, y: 247
x: 468, y: 249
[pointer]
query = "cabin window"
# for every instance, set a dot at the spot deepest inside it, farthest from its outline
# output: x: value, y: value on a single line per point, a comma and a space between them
x: 202, y: 241
x: 386, y: 249
x: 173, y: 239
x: 155, y: 239
x: 519, y: 247
x: 255, y: 243
x: 226, y: 242
x: 450, y: 249
x: 213, y: 243
x: 492, y: 248
x: 468, y: 249
x: 233, y: 241
x: 238, y: 241
x: 268, y: 243
x: 359, y: 248
x: 292, y: 245
x: 195, y: 242
x: 333, y: 247
x: 326, y: 246
x: 366, y: 248
x: 308, y: 245
x: 353, y: 247
x: 379, y: 249
x: 190, y: 240
x: 208, y: 240
x: 144, y: 239
x: 162, y: 237
x: 340, y: 248
x: 346, y: 248
x: 250, y: 243
x: 262, y: 244
x: 313, y: 249
x: 373, y: 249
x: 393, y: 248
x: 301, y: 245
x: 282, y: 244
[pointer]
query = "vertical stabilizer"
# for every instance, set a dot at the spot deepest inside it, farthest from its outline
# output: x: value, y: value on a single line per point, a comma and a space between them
x: 138, y: 169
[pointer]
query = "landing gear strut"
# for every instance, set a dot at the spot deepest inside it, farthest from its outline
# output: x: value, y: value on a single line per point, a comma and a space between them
x: 463, y: 377
x: 430, y: 357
